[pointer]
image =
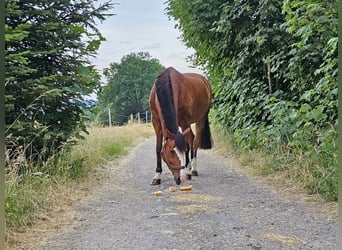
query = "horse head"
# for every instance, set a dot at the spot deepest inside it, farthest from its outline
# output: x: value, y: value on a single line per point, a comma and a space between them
x: 174, y: 154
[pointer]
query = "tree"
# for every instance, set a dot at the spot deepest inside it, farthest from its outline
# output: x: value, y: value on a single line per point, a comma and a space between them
x: 48, y: 45
x: 273, y: 69
x: 235, y: 41
x: 128, y: 88
x: 259, y: 53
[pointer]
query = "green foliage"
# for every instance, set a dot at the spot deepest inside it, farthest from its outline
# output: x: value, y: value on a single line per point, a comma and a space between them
x: 273, y: 69
x: 19, y: 205
x: 48, y: 45
x: 128, y: 88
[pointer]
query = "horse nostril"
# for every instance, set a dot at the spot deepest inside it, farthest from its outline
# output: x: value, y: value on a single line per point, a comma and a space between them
x: 178, y: 180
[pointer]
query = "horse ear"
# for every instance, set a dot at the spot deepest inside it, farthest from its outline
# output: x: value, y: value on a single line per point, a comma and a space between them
x: 169, y: 135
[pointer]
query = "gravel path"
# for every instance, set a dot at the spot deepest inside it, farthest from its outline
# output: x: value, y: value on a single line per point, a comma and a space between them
x: 224, y: 210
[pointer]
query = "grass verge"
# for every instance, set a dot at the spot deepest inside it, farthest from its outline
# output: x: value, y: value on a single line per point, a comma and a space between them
x: 290, y: 171
x: 30, y: 197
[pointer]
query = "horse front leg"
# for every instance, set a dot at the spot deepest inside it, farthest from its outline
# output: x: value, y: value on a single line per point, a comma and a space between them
x: 157, y: 175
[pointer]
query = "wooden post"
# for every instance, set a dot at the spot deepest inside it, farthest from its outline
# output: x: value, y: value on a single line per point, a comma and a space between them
x: 109, y: 118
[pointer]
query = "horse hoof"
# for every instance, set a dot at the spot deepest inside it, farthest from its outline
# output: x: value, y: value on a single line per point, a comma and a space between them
x: 194, y: 173
x: 188, y: 176
x: 155, y: 182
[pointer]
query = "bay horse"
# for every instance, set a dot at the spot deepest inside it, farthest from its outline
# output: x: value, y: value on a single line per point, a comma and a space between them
x: 178, y: 100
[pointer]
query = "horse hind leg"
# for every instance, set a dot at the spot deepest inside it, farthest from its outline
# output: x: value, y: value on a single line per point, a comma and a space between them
x: 193, y: 154
x: 194, y: 171
x: 188, y: 164
x: 189, y: 140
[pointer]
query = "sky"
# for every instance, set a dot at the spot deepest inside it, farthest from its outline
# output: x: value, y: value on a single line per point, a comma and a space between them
x: 142, y: 26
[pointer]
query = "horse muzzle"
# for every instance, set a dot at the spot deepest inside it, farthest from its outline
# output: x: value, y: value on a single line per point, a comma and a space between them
x: 182, y: 178
x: 178, y: 180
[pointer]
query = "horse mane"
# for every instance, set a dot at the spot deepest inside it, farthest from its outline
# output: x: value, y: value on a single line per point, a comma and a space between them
x: 165, y: 98
x: 180, y: 141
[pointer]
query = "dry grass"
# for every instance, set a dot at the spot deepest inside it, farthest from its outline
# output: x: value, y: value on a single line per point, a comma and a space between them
x: 105, y: 143
x: 41, y: 198
x: 286, y: 240
x: 195, y: 198
x: 195, y: 208
x: 256, y: 161
x: 195, y: 203
x: 260, y: 167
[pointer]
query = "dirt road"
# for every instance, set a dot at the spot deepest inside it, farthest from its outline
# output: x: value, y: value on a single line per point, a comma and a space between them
x: 224, y: 210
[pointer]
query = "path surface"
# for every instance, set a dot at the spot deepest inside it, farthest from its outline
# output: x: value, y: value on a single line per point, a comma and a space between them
x: 225, y: 210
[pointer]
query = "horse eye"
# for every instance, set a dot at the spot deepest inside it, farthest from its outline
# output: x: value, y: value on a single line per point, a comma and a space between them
x: 172, y: 151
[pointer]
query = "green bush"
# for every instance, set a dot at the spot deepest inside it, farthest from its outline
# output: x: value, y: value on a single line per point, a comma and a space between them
x: 273, y: 70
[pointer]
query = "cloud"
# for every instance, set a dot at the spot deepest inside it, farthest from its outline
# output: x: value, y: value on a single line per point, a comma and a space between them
x: 141, y: 26
x: 125, y: 42
x: 152, y: 46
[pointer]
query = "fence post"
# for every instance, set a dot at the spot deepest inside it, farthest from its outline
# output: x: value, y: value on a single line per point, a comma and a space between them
x: 109, y: 118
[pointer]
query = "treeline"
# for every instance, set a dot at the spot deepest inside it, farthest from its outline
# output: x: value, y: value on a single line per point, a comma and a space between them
x: 128, y: 88
x: 273, y: 69
x: 48, y: 46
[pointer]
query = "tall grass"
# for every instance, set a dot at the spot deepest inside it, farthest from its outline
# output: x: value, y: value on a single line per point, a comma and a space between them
x: 34, y: 191
x: 301, y: 169
x: 255, y: 160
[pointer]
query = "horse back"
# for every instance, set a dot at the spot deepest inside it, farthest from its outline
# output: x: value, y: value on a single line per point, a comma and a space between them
x: 193, y: 95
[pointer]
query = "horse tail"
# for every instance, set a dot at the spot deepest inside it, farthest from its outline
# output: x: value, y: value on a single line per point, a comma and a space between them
x: 205, y: 142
